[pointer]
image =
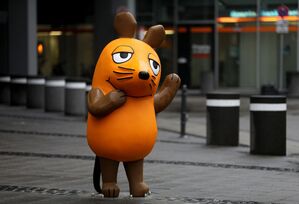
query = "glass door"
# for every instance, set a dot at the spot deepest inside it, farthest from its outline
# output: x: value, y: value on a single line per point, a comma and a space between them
x: 237, y: 43
x: 195, y: 53
x: 201, y: 38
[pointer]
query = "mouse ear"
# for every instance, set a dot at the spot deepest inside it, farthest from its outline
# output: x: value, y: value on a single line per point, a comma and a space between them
x: 125, y: 24
x: 155, y: 36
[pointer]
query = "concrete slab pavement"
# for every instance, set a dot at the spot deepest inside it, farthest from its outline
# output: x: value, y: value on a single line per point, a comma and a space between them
x: 45, y: 159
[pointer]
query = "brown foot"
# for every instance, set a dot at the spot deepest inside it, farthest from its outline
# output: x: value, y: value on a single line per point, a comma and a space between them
x: 134, y: 171
x: 109, y: 170
x: 110, y: 190
x: 139, y: 190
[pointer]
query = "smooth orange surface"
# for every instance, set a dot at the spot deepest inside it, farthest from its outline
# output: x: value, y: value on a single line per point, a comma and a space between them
x: 129, y: 132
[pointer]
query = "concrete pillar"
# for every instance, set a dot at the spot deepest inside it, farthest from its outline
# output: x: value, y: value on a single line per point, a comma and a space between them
x: 22, y: 27
x: 3, y: 38
x: 105, y: 11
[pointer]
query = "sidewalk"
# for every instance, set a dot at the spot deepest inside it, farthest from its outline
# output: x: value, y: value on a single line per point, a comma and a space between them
x: 45, y: 159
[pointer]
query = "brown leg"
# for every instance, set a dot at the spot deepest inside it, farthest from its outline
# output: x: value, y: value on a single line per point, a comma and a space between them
x: 134, y: 171
x: 109, y: 170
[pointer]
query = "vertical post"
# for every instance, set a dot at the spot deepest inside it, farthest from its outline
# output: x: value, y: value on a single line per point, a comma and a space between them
x: 5, y: 89
x: 32, y: 37
x: 223, y: 118
x: 54, y: 94
x: 280, y: 71
x: 18, y: 88
x: 298, y: 40
x: 103, y: 25
x: 132, y: 6
x: 216, y: 47
x: 35, y: 92
x: 183, y: 111
x: 103, y: 21
x: 175, y: 37
x: 75, y: 97
x: 268, y: 125
x: 4, y: 39
x: 258, y: 45
x: 22, y: 37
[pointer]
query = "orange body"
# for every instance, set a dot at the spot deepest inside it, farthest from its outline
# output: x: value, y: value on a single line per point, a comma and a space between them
x: 129, y: 132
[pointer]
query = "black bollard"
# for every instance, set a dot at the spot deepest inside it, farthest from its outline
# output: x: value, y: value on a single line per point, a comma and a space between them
x: 183, y: 111
x: 268, y: 125
x: 5, y: 90
x: 35, y: 92
x: 55, y: 94
x: 223, y: 119
x: 18, y: 90
x: 75, y: 97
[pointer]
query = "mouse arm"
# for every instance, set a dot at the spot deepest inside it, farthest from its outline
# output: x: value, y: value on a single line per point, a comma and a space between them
x: 167, y: 92
x: 100, y: 105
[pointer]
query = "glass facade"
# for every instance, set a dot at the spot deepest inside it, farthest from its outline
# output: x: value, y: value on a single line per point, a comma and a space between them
x: 252, y: 50
x: 237, y: 44
x: 278, y: 52
x: 243, y: 44
x: 236, y: 40
x: 67, y: 51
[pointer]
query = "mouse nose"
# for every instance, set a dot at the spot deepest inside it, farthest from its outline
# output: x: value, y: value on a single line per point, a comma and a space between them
x: 143, y: 75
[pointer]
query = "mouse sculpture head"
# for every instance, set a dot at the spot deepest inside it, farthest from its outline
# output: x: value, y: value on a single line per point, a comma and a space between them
x: 128, y: 64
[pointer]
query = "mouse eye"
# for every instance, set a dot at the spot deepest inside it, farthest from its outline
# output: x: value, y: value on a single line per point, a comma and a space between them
x: 155, y: 66
x: 121, y: 57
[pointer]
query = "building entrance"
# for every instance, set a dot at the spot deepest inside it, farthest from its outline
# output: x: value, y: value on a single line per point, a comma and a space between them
x: 195, y: 54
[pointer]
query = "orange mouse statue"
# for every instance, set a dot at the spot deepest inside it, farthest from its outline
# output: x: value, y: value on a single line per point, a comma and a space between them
x: 123, y: 103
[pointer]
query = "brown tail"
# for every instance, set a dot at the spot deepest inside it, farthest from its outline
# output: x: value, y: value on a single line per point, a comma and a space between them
x: 97, y: 175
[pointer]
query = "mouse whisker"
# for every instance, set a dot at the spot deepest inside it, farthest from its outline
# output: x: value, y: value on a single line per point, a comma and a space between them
x: 125, y: 78
x: 153, y: 82
x: 116, y: 72
x: 126, y: 68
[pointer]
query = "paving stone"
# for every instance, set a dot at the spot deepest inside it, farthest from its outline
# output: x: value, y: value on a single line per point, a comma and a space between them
x: 45, y: 159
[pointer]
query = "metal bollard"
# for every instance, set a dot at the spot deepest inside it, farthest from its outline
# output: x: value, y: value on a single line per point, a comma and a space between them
x: 5, y: 90
x: 183, y: 111
x: 268, y: 125
x: 18, y: 90
x: 223, y: 119
x: 54, y: 94
x: 75, y: 97
x: 35, y: 92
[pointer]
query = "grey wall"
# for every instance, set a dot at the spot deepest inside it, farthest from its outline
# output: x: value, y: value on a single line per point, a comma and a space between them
x: 3, y: 42
x: 22, y: 37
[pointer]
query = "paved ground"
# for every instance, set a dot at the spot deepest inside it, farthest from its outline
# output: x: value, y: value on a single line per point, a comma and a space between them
x: 45, y: 159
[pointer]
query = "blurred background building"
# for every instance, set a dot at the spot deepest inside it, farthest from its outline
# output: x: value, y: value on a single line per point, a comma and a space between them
x: 235, y: 43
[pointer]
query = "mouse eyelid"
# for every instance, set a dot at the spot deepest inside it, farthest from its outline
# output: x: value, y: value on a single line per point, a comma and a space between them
x: 123, y: 48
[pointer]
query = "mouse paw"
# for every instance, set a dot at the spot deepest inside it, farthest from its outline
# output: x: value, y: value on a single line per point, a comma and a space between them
x: 173, y: 81
x: 139, y: 190
x: 110, y: 190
